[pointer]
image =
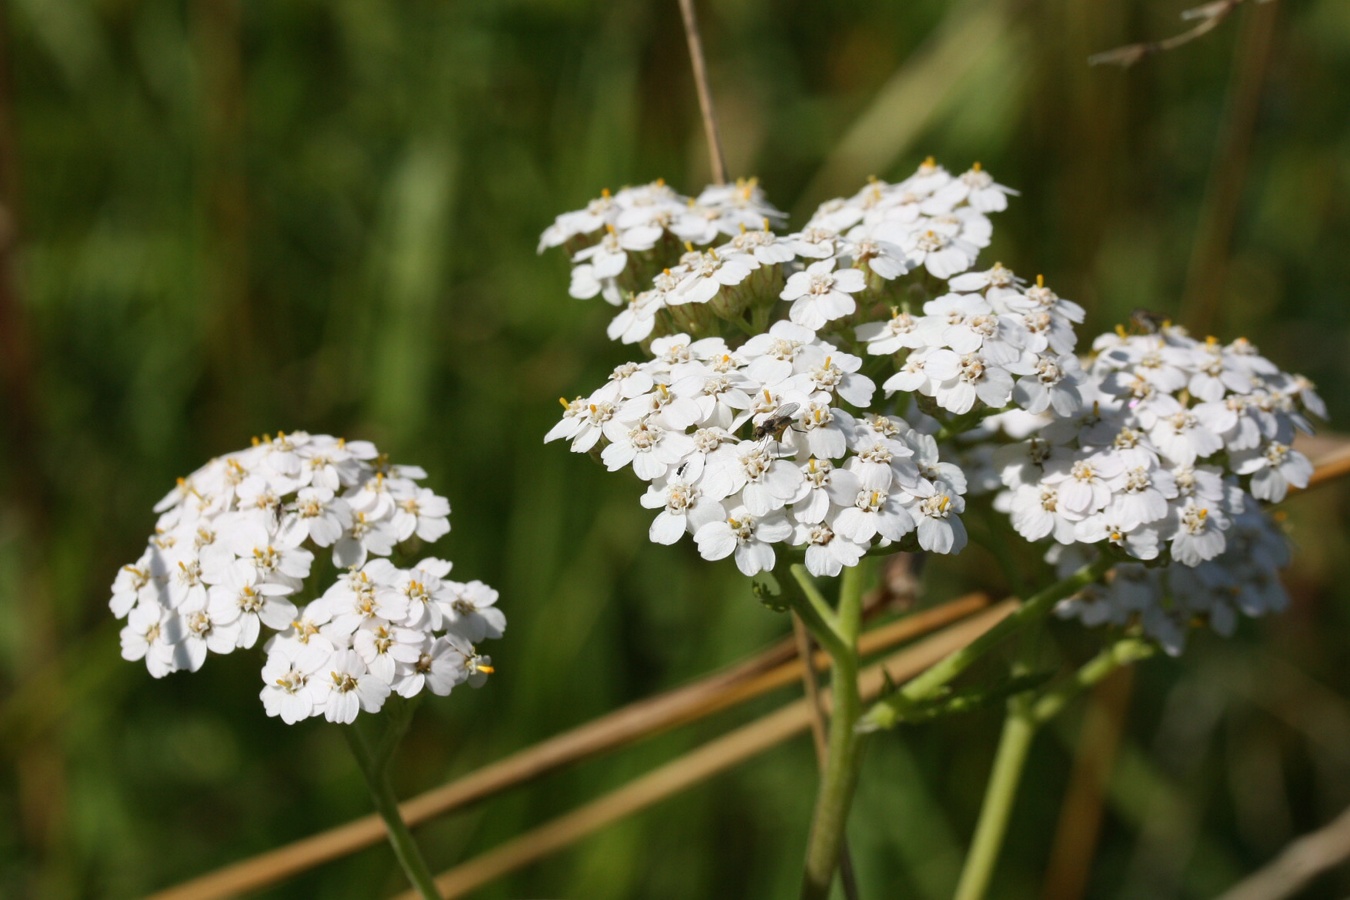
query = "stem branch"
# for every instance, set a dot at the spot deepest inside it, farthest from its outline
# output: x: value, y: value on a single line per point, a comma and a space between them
x: 1025, y: 717
x: 888, y: 712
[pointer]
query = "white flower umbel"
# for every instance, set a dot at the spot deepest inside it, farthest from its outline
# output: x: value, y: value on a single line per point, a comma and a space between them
x: 756, y: 422
x: 233, y: 553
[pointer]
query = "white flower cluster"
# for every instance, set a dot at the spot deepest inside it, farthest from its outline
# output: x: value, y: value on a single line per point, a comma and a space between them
x: 803, y: 472
x: 1158, y: 464
x: 229, y: 556
x: 932, y: 220
x: 971, y: 344
x: 615, y: 242
x: 1181, y: 440
x: 1169, y: 600
x: 1158, y: 451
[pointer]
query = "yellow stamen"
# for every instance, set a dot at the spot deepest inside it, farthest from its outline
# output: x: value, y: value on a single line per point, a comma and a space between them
x: 1040, y: 281
x: 977, y: 167
x: 565, y: 404
x: 487, y: 670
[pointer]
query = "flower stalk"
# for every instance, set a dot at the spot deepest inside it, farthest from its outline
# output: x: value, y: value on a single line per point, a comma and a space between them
x: 373, y: 763
x: 1025, y: 717
x: 844, y: 755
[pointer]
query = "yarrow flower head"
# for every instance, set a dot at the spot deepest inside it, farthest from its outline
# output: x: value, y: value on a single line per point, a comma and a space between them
x: 233, y: 552
x: 1167, y: 466
x: 758, y: 425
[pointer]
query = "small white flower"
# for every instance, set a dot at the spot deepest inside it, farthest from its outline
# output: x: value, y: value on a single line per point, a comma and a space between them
x: 244, y: 598
x: 440, y: 668
x: 826, y: 552
x: 1274, y: 468
x: 420, y: 511
x: 316, y: 514
x: 876, y: 512
x: 1197, y: 533
x: 683, y: 509
x: 290, y: 688
x: 820, y: 294
x: 150, y: 634
x: 941, y: 254
x: 382, y: 647
x: 749, y: 537
x: 939, y: 529
x: 345, y: 687
x: 470, y: 611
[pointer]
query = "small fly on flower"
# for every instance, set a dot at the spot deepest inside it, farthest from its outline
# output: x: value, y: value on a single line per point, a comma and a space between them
x: 1146, y: 321
x: 778, y: 421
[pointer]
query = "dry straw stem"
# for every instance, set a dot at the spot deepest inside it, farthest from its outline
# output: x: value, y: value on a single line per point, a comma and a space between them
x: 1330, y: 467
x: 774, y: 668
x: 703, y: 763
x: 1211, y: 16
x: 1301, y: 862
x: 716, y: 160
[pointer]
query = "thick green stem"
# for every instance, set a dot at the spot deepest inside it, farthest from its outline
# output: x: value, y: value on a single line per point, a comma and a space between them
x: 386, y: 804
x: 1025, y: 716
x: 845, y: 742
x: 1018, y: 731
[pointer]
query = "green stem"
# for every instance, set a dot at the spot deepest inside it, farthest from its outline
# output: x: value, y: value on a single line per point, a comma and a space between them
x: 386, y: 804
x: 844, y: 757
x: 816, y: 614
x: 1124, y: 652
x: 1025, y: 717
x: 1018, y: 731
x: 888, y: 712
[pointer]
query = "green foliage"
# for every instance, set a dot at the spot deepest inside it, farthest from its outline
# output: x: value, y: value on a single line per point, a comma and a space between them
x: 236, y: 218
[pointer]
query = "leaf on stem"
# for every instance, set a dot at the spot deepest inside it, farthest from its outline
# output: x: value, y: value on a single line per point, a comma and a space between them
x: 769, y: 591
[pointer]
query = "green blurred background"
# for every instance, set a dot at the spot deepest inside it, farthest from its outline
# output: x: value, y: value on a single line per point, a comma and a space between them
x: 226, y: 218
